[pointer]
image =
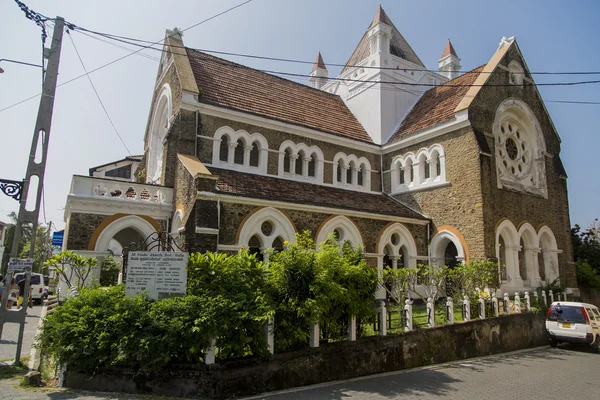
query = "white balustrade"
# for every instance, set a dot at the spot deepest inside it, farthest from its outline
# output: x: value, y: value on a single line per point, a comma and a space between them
x: 551, y: 296
x: 315, y: 334
x: 495, y: 306
x: 269, y: 335
x: 481, y: 307
x: 467, y: 309
x: 544, y: 297
x: 382, y: 318
x: 430, y: 312
x: 506, y: 303
x: 527, y: 302
x: 517, y: 303
x: 408, y: 322
x: 450, y: 310
x: 82, y: 186
x: 352, y: 329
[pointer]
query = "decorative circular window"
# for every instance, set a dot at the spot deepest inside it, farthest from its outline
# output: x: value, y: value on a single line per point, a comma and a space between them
x: 266, y: 228
x: 338, y: 233
x: 395, y: 239
x: 514, y: 149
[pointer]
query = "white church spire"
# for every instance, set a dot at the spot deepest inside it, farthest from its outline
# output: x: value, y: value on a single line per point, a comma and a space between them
x: 319, y: 73
x: 449, y: 64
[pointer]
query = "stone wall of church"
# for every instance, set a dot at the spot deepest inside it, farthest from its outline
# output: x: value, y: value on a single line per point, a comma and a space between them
x: 520, y: 207
x: 81, y: 228
x: 459, y: 203
x: 210, y: 124
x: 181, y: 139
x: 232, y: 216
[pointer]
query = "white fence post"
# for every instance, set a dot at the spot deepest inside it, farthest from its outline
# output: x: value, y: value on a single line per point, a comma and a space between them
x: 315, y: 334
x: 450, y: 310
x: 564, y: 296
x: 467, y: 308
x: 352, y: 329
x: 481, y: 307
x: 495, y: 307
x: 544, y: 297
x: 408, y: 323
x: 517, y: 303
x: 527, y: 302
x: 430, y: 313
x: 269, y: 335
x: 209, y: 356
x: 506, y: 304
x: 382, y: 318
x: 551, y: 296
x: 537, y: 298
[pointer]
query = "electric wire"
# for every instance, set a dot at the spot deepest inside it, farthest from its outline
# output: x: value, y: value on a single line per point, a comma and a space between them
x: 98, y: 95
x: 127, y: 55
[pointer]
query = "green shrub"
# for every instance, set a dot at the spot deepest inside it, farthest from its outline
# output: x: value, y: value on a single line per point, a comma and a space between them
x: 109, y: 272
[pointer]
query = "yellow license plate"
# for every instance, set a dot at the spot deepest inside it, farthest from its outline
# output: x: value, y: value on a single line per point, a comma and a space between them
x: 568, y: 326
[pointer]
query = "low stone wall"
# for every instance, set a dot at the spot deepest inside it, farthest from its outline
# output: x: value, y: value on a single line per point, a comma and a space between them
x: 335, y: 361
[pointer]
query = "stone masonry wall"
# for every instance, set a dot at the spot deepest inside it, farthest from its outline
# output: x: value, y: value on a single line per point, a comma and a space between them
x: 459, y: 204
x: 520, y: 207
x: 210, y: 124
x: 81, y: 228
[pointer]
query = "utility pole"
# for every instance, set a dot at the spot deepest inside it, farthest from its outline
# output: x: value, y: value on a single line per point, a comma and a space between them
x: 29, y: 213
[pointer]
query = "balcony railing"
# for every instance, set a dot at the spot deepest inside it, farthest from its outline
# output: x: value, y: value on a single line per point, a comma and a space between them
x: 129, y: 191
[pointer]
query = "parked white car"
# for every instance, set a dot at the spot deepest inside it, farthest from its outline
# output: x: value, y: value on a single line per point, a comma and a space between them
x: 37, y: 286
x: 573, y: 322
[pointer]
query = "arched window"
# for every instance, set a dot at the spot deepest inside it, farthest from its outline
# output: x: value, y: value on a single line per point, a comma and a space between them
x: 254, y: 155
x: 422, y: 166
x: 269, y: 226
x: 287, y: 160
x: 502, y: 259
x: 411, y: 171
x: 425, y: 170
x: 255, y: 247
x: 300, y: 162
x: 157, y: 132
x: 401, y: 177
x: 350, y: 173
x: 224, y: 148
x: 238, y: 155
x: 344, y: 230
x: 360, y: 175
x: 523, y: 261
x: 340, y: 170
x: 311, y: 165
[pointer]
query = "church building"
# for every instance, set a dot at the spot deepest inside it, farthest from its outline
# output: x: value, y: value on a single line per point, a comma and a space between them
x: 413, y: 165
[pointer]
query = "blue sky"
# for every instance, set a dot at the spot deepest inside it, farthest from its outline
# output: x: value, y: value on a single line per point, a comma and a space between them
x: 553, y: 36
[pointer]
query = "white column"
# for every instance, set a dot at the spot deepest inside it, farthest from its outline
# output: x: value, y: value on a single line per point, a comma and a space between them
x: 450, y: 310
x: 534, y: 271
x: 506, y: 303
x: 293, y: 160
x: 408, y: 326
x: 430, y: 313
x: 315, y: 334
x: 512, y: 266
x: 442, y: 168
x: 495, y: 305
x: 305, y: 161
x: 247, y: 150
x: 544, y: 297
x: 381, y: 289
x: 481, y: 307
x: 517, y: 303
x: 527, y: 302
x: 467, y: 308
x: 209, y: 356
x: 551, y: 296
x: 269, y: 335
x: 418, y: 167
x: 382, y: 318
x: 352, y: 329
x: 231, y: 154
x: 344, y: 174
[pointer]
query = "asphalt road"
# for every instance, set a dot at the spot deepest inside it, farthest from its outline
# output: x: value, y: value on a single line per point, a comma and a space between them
x: 8, y: 344
x: 543, y: 373
x: 564, y: 373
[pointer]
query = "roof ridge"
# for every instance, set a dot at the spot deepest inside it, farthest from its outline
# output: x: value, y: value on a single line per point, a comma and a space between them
x: 266, y: 73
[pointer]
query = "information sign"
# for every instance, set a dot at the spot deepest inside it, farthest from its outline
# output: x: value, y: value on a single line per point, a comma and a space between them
x: 160, y: 274
x: 20, y: 265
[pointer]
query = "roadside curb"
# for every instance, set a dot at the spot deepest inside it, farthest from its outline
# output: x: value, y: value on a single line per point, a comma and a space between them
x: 391, y: 373
x: 34, y: 353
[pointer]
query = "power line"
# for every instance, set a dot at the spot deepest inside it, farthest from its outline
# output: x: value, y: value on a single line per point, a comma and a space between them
x: 573, y: 102
x: 127, y: 55
x: 131, y: 41
x: 97, y: 95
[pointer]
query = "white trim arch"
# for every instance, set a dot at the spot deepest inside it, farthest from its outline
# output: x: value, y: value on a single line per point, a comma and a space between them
x: 310, y: 154
x: 352, y: 166
x: 510, y: 253
x: 425, y: 169
x: 528, y: 253
x: 281, y: 227
x: 438, y: 245
x: 139, y: 224
x: 162, y: 116
x: 395, y: 236
x: 520, y: 149
x: 345, y: 226
x: 549, y: 251
x: 248, y: 141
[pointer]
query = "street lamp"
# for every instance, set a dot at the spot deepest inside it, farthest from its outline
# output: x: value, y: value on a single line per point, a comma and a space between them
x: 18, y: 62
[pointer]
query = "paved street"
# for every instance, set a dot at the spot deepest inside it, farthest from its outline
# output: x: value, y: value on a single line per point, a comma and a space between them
x: 8, y: 344
x: 535, y: 374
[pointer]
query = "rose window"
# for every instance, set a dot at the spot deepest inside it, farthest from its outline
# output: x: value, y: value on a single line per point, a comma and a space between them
x: 513, y: 149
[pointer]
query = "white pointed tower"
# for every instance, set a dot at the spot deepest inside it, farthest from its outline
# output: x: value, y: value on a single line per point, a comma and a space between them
x: 449, y: 64
x: 319, y: 73
x: 372, y: 90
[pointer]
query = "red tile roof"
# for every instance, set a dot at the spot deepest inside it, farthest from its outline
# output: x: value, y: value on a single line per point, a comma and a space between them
x: 449, y: 49
x: 437, y: 105
x: 319, y: 63
x: 289, y: 191
x: 226, y: 84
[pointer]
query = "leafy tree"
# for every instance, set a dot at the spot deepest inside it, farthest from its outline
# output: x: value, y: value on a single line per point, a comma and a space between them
x: 73, y: 268
x: 398, y: 282
x: 109, y: 272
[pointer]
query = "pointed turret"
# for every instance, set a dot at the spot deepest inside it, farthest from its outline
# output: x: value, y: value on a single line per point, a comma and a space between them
x: 449, y: 64
x: 319, y: 73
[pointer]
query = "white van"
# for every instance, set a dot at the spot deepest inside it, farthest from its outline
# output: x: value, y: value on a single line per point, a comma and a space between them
x: 37, y: 286
x: 573, y: 322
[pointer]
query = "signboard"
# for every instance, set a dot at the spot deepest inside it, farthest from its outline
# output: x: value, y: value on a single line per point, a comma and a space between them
x: 160, y: 274
x: 57, y: 238
x: 19, y: 265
